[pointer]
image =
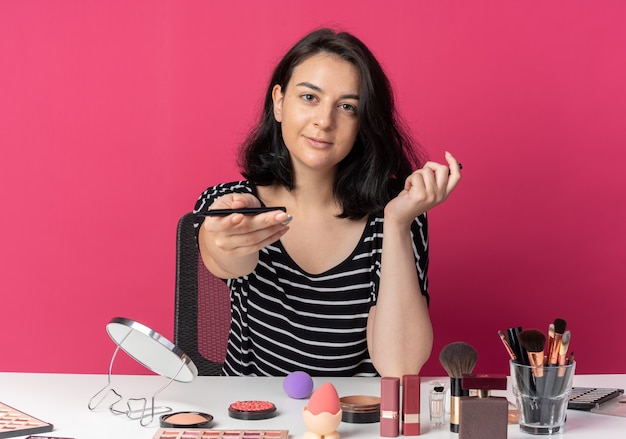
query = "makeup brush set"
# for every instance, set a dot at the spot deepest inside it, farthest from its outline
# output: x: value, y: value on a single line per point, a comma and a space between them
x: 542, y: 373
x: 529, y: 346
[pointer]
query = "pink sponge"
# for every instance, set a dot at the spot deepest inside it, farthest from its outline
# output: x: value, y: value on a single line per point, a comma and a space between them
x: 324, y: 399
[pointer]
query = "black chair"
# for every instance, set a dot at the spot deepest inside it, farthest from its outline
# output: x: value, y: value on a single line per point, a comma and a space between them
x: 202, y: 309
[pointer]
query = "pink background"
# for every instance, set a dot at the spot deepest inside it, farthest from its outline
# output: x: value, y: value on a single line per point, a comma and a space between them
x: 115, y: 115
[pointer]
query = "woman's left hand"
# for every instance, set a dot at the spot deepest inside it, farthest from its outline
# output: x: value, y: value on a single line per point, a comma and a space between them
x: 424, y: 189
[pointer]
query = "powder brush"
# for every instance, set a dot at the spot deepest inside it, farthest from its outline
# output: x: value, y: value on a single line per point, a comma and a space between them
x: 534, y: 342
x: 457, y: 359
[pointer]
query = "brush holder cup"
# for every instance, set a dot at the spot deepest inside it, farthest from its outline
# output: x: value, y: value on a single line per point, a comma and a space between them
x: 542, y: 394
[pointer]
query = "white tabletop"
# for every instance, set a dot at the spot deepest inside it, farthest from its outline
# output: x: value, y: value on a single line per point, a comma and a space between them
x: 61, y: 399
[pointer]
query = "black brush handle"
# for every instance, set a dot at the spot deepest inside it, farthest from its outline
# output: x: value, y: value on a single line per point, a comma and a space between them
x: 512, y: 335
x: 456, y: 392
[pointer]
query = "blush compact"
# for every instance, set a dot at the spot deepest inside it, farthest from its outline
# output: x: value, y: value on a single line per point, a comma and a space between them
x: 360, y: 409
x: 187, y: 420
x: 252, y: 410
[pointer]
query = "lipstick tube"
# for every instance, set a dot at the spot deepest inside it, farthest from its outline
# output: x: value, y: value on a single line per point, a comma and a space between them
x: 389, y: 407
x: 411, y: 405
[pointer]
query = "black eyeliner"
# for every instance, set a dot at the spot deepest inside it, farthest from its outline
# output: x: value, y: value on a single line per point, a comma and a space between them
x: 244, y: 211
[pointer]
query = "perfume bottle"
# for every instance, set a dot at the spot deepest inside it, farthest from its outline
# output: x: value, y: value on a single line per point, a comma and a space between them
x: 437, y: 401
x: 483, y: 416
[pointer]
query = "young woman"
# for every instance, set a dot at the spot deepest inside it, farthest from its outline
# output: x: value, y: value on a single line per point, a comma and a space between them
x: 337, y: 284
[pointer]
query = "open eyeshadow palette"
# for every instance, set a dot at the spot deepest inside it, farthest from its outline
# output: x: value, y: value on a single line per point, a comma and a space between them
x: 199, y: 433
x: 16, y: 423
x: 587, y: 398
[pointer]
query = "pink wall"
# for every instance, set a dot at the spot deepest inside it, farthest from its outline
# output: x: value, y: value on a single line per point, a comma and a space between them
x: 115, y: 115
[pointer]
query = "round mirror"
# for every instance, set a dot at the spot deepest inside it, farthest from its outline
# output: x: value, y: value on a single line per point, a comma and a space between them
x: 152, y: 350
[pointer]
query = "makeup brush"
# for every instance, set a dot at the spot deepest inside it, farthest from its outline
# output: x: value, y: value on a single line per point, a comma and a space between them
x: 534, y: 342
x: 550, y: 338
x: 559, y: 329
x: 458, y: 359
x: 512, y: 336
x: 567, y: 336
x: 507, y: 346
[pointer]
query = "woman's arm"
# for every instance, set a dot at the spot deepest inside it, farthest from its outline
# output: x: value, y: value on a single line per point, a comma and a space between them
x: 399, y: 332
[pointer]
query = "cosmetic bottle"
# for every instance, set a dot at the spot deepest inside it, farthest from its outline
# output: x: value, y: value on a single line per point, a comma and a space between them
x: 437, y: 402
x: 483, y: 416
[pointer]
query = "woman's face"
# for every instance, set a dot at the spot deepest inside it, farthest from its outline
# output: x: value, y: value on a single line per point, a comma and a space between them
x: 317, y: 111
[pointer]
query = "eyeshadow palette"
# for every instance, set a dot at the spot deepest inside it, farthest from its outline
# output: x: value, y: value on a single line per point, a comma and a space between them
x: 199, y: 433
x: 16, y: 423
x: 587, y: 398
x: 47, y: 437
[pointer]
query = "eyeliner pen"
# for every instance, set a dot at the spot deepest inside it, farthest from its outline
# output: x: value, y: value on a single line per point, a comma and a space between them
x: 244, y: 211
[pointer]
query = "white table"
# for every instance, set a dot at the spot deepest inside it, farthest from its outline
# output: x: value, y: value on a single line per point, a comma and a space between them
x: 61, y: 399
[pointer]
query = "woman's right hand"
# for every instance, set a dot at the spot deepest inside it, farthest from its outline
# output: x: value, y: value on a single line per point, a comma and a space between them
x: 424, y: 189
x: 230, y: 244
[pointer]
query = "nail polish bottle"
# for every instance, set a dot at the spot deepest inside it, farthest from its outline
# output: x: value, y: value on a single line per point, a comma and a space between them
x: 483, y: 416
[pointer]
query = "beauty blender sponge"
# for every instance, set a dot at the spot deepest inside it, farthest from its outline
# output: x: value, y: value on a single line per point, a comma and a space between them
x: 298, y: 385
x: 324, y: 399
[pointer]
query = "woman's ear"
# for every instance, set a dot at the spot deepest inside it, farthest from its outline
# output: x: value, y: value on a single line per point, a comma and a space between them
x: 277, y: 97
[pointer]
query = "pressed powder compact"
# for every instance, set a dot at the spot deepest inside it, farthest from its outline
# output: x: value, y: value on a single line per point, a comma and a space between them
x: 360, y: 409
x: 187, y: 420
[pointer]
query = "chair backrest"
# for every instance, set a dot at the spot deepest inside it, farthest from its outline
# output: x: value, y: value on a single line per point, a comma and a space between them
x: 202, y: 309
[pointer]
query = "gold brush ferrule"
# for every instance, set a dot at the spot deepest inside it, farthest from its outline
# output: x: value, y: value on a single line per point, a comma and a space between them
x: 536, y: 360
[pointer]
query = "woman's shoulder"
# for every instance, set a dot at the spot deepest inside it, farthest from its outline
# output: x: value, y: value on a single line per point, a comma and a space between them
x: 242, y: 186
x: 231, y: 186
x: 213, y: 192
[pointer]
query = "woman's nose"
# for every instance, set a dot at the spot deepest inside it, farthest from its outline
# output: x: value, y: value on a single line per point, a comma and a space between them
x: 324, y: 116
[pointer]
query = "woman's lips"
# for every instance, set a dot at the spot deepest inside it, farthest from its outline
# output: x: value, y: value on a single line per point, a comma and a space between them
x: 319, y: 143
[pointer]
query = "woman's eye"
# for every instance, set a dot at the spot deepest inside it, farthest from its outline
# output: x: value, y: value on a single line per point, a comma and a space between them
x: 308, y: 97
x: 348, y: 107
